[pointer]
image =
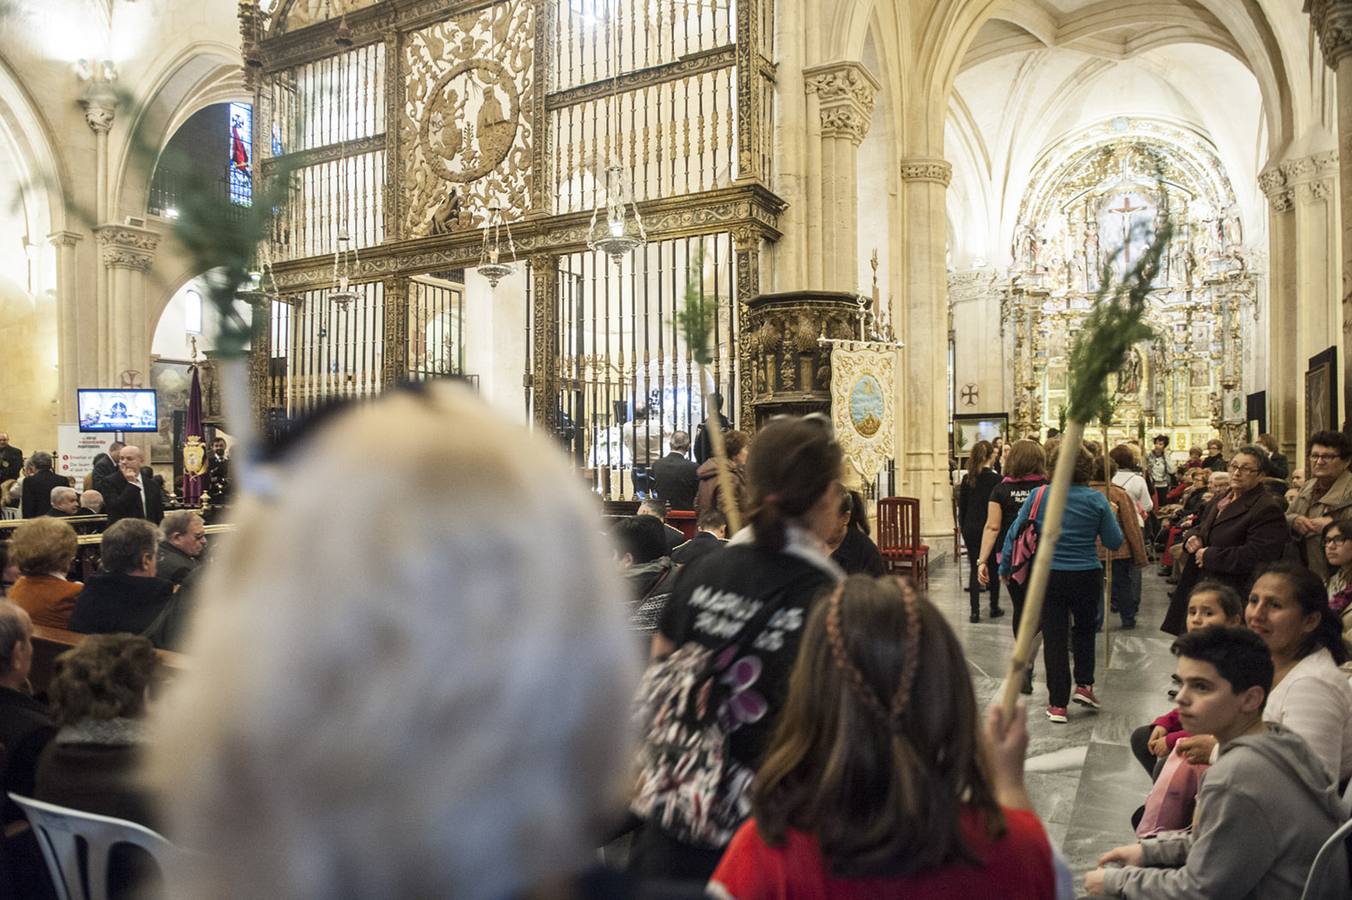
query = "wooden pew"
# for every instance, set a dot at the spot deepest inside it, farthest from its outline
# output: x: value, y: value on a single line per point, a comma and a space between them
x: 49, y: 643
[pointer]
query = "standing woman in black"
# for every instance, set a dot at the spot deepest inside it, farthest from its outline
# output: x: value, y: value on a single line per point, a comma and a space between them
x: 974, y: 494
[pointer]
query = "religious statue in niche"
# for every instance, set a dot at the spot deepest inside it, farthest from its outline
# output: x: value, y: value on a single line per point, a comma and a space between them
x: 1129, y: 378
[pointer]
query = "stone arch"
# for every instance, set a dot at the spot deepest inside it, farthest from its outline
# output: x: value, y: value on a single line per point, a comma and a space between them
x: 42, y: 176
x: 197, y: 76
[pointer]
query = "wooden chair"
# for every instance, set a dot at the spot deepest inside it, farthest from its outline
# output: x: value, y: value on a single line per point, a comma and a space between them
x: 899, y: 538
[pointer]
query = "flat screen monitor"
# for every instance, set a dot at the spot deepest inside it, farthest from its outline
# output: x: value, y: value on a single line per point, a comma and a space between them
x: 117, y: 410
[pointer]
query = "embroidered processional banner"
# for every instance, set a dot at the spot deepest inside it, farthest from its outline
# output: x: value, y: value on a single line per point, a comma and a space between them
x: 863, y: 403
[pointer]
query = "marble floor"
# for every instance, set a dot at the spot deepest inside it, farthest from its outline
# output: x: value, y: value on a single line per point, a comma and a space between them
x: 1082, y: 777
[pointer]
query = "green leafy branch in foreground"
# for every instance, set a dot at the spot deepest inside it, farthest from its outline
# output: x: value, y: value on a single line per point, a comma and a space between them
x: 696, y: 316
x: 221, y: 239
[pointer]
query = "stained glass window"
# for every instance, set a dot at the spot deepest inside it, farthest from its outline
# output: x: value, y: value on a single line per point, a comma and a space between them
x: 241, y: 154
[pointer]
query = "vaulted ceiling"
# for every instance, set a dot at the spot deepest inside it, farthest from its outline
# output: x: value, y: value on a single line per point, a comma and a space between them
x: 1234, y: 71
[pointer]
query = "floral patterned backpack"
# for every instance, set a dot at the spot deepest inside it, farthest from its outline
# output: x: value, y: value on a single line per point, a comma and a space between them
x: 688, y: 782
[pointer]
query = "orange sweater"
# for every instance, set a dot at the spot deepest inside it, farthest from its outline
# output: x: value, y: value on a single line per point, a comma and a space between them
x: 47, y: 599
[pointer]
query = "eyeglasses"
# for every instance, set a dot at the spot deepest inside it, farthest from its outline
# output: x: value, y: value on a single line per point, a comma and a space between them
x: 1335, y: 539
x: 1324, y: 457
x: 1250, y: 470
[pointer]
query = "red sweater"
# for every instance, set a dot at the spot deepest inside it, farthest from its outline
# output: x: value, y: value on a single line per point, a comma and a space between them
x: 1173, y: 728
x: 1018, y: 867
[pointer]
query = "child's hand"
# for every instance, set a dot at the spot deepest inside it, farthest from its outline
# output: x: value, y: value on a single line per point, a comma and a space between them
x: 1157, y: 744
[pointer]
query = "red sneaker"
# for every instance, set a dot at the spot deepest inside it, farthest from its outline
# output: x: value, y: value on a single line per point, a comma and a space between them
x: 1084, y: 695
x: 1057, y: 714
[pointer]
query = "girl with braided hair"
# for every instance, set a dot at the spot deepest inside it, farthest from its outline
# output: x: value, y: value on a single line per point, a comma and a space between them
x: 877, y: 783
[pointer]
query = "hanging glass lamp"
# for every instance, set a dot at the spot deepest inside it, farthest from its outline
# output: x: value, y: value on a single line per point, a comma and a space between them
x: 494, y: 263
x: 616, y: 226
x: 343, y: 294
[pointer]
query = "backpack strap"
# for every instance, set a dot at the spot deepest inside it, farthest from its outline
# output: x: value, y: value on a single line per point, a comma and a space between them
x: 1037, y: 504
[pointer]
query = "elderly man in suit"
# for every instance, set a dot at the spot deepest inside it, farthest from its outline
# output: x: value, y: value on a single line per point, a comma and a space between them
x: 675, y: 476
x: 37, y: 488
x: 184, y: 538
x: 131, y: 491
x: 65, y: 502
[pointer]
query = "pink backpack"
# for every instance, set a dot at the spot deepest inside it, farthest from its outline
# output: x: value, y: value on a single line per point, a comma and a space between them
x: 1025, y: 542
x: 1171, y: 802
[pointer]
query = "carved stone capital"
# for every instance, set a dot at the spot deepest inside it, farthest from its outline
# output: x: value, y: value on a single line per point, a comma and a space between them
x: 1332, y: 21
x: 845, y: 91
x: 1312, y: 191
x: 64, y: 238
x: 99, y: 102
x: 938, y: 171
x: 99, y: 118
x: 1270, y: 180
x: 1314, y: 166
x: 127, y: 247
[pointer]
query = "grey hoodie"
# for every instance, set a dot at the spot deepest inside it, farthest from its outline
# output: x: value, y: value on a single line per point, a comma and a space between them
x: 1264, y: 810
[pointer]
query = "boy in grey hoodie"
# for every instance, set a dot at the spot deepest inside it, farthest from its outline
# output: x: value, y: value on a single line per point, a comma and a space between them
x: 1265, y: 807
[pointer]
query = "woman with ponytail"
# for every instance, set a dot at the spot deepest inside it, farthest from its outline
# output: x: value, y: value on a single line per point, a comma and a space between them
x: 878, y: 783
x: 779, y: 560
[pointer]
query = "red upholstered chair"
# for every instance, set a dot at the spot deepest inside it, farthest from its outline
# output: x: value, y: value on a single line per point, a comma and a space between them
x: 683, y: 520
x: 899, y: 538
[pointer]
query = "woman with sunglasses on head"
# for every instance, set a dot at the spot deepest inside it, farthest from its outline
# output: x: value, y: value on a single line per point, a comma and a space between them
x: 1237, y: 531
x: 878, y: 782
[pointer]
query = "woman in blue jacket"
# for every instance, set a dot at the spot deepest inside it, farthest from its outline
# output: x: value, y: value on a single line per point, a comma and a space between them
x: 1075, y: 588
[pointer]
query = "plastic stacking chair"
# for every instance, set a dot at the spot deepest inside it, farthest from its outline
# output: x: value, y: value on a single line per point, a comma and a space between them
x: 61, y: 832
x: 899, y: 538
x: 1329, y: 873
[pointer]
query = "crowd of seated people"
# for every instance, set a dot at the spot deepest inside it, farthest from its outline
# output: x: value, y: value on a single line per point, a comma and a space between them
x: 424, y: 704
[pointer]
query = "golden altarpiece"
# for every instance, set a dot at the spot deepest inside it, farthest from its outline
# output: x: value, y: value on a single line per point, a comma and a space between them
x: 406, y: 127
x: 1093, y: 208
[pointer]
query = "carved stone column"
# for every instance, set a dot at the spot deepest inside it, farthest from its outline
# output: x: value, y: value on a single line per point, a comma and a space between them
x: 1332, y: 19
x: 1313, y: 183
x: 394, y: 358
x: 844, y: 93
x: 544, y: 329
x: 127, y: 254
x: 1284, y: 375
x: 73, y: 366
x: 260, y: 358
x: 100, y: 109
x: 746, y: 247
x: 922, y: 311
x: 749, y: 99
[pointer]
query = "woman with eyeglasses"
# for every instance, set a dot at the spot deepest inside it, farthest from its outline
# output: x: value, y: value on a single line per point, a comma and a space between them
x: 1326, y: 496
x: 1337, y: 538
x: 1238, y: 531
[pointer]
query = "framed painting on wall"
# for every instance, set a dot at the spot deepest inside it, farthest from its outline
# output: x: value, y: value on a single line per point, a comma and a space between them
x: 1321, y: 393
x: 969, y: 428
x: 171, y: 379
